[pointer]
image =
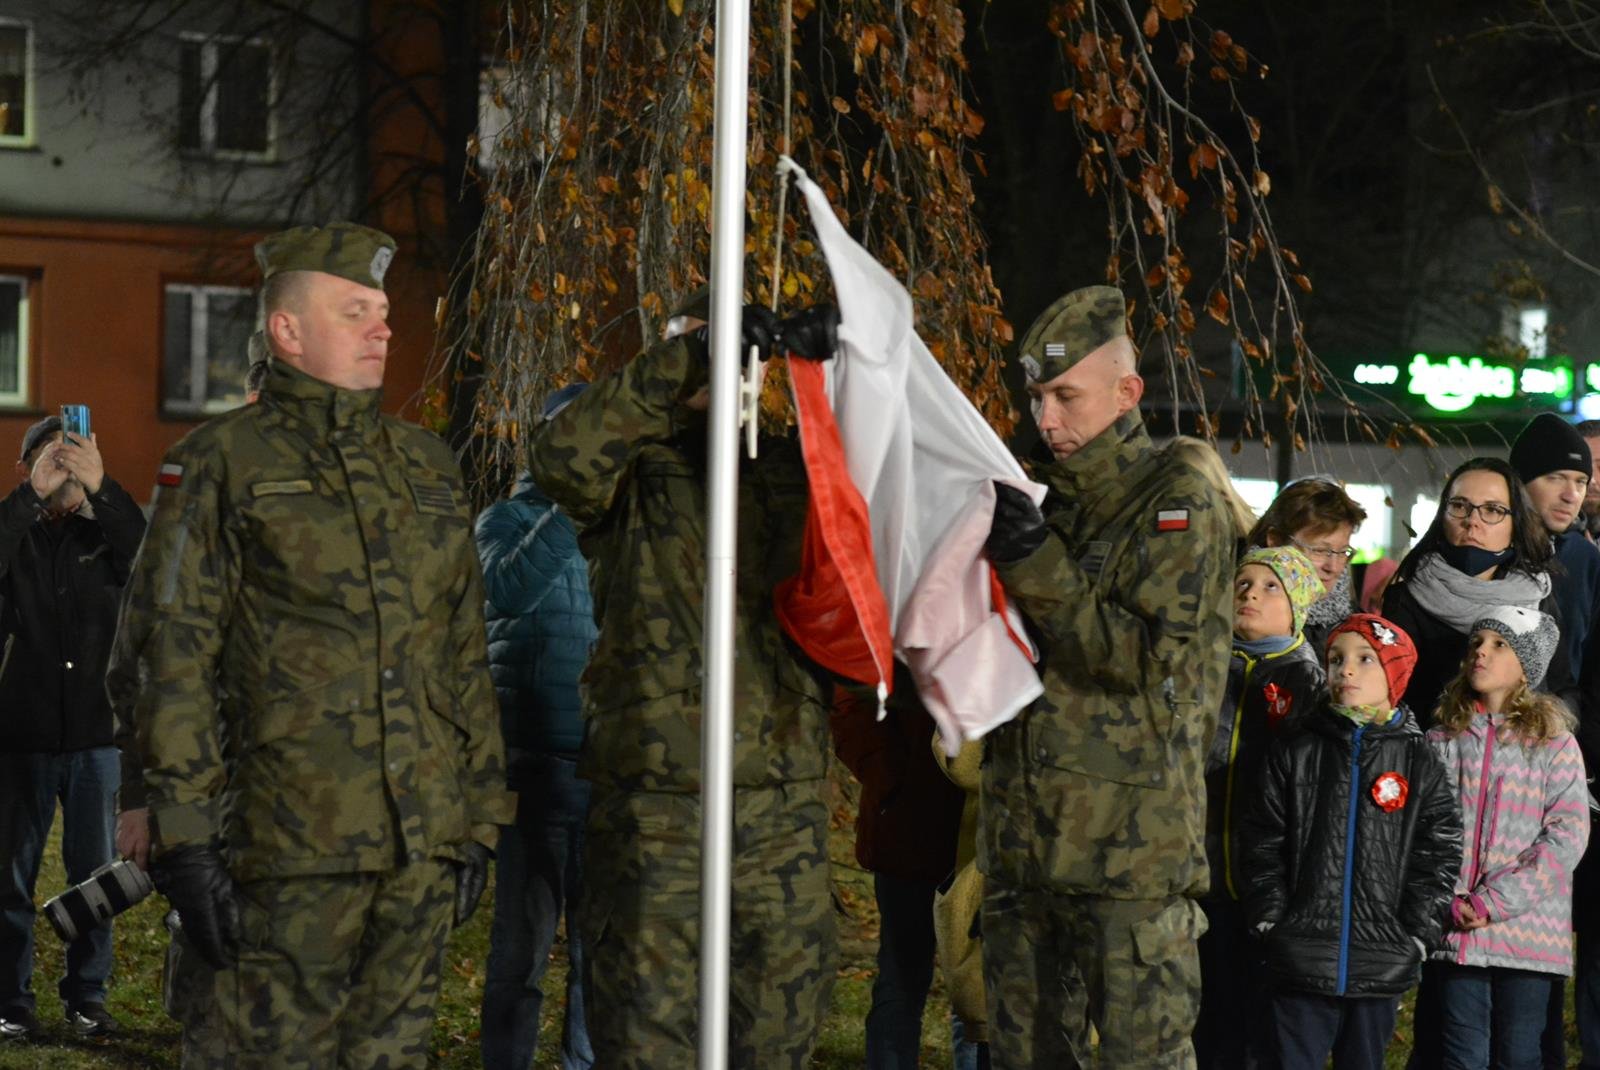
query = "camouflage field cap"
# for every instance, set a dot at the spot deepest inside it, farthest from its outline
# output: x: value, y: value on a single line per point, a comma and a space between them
x: 347, y: 250
x: 1072, y: 328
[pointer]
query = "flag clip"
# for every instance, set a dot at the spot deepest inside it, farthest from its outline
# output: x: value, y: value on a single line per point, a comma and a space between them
x: 750, y: 400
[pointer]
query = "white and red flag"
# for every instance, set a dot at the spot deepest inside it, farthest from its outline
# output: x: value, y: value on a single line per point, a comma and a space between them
x: 905, y: 466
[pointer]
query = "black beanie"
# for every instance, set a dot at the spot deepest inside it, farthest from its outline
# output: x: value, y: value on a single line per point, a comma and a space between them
x: 1549, y: 444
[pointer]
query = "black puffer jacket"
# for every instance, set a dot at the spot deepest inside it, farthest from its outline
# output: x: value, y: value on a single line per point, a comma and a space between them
x: 1266, y: 697
x: 1348, y: 885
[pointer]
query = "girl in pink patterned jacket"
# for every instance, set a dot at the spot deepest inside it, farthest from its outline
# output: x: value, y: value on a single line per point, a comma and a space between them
x: 1510, y: 754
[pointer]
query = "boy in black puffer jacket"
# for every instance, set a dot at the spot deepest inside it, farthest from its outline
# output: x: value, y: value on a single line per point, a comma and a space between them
x: 1350, y: 854
x: 1275, y: 677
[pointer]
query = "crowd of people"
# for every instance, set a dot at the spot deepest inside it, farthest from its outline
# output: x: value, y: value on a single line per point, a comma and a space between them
x: 1259, y: 799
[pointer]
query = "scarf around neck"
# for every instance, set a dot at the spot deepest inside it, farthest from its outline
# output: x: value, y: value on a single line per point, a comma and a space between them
x: 1459, y: 599
x: 1267, y: 644
x: 1364, y: 714
x: 1332, y: 608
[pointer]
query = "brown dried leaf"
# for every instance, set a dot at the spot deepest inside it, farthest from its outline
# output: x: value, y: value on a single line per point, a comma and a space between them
x: 1152, y: 22
x: 1263, y: 183
x: 1217, y: 307
x: 1172, y: 10
x: 841, y: 105
x: 1062, y: 100
x: 1303, y: 282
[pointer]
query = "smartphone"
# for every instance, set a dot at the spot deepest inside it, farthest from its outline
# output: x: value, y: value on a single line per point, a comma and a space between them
x: 75, y: 421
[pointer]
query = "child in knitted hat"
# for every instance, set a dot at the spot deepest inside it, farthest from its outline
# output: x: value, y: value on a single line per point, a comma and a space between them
x: 1350, y: 855
x: 1520, y: 779
x: 1273, y: 678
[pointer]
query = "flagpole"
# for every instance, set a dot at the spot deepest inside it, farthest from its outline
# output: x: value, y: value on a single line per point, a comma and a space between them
x: 727, y: 300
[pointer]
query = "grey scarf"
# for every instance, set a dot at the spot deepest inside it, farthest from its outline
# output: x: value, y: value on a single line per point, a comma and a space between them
x: 1460, y: 600
x: 1332, y: 608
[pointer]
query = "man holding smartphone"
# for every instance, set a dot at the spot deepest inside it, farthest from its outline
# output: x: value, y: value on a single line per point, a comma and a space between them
x: 68, y: 536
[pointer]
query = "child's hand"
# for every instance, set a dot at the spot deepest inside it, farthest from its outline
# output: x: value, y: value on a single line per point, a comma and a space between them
x: 1466, y: 915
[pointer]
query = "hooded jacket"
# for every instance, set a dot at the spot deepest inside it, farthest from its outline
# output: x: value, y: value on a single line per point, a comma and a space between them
x: 540, y: 619
x: 1352, y: 879
x: 1266, y: 696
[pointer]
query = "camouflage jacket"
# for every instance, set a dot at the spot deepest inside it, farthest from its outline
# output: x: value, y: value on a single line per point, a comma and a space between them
x: 1098, y: 788
x: 626, y: 460
x: 300, y: 654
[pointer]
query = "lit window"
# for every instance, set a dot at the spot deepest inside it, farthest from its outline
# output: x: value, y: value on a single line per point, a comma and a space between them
x: 207, y: 353
x: 1371, y: 540
x: 13, y: 340
x: 1422, y: 514
x: 1533, y: 327
x: 16, y: 83
x: 1257, y: 493
x: 225, y: 94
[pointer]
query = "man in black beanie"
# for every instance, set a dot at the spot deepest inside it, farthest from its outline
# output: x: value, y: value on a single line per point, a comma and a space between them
x: 1554, y: 463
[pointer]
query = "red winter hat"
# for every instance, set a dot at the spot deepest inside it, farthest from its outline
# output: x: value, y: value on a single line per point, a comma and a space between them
x: 1396, y: 652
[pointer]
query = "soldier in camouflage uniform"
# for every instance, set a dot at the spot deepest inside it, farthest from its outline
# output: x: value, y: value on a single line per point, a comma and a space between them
x: 1092, y: 813
x: 627, y: 461
x: 301, y: 656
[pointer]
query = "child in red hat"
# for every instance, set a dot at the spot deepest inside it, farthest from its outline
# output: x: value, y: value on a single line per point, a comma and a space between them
x: 1350, y: 853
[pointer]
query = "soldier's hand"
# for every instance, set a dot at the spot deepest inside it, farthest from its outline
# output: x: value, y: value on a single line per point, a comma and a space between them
x: 81, y: 458
x: 758, y: 326
x: 1018, y: 526
x: 133, y: 836
x: 196, y: 883
x: 471, y: 877
x: 812, y: 333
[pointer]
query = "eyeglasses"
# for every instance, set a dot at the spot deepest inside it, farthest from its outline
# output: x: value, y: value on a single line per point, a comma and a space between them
x: 1491, y: 512
x: 1325, y: 553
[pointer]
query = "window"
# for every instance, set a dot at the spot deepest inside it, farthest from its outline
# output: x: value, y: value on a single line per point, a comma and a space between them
x: 225, y: 94
x: 1371, y: 540
x: 206, y: 354
x: 1533, y: 331
x: 16, y: 83
x: 14, y: 339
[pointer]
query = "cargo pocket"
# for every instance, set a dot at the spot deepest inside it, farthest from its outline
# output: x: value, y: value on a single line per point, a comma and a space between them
x: 1155, y: 988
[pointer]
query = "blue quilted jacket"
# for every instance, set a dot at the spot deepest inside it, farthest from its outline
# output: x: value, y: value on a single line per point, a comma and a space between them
x: 540, y: 618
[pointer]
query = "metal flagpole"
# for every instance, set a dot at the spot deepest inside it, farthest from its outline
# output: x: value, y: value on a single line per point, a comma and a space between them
x: 727, y: 300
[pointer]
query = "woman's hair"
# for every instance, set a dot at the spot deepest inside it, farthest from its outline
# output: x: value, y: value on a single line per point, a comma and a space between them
x: 1318, y: 503
x: 1532, y: 717
x: 1534, y: 554
x: 1198, y: 454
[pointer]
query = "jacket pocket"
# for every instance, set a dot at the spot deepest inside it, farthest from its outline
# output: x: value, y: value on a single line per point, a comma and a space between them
x: 1130, y: 744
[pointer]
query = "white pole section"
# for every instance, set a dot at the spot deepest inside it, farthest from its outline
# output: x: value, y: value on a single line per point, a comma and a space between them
x: 727, y: 301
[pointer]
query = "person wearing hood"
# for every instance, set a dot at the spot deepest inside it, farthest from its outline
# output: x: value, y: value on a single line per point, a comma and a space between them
x: 1486, y: 548
x: 540, y: 619
x: 1315, y: 516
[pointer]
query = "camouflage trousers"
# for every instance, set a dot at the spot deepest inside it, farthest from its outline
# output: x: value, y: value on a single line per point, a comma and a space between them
x: 1056, y: 964
x: 641, y: 913
x: 339, y: 971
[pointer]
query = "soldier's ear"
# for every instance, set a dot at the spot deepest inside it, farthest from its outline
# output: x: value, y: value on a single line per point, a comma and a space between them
x: 1130, y: 389
x: 283, y: 328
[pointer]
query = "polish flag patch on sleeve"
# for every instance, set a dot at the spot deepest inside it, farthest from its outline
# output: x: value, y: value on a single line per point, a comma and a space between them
x: 1172, y: 520
x: 170, y: 475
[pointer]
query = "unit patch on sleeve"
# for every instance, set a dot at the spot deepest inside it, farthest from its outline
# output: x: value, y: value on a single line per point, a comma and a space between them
x: 1172, y: 520
x: 171, y: 475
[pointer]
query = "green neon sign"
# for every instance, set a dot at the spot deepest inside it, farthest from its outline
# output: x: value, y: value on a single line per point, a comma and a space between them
x: 1470, y: 386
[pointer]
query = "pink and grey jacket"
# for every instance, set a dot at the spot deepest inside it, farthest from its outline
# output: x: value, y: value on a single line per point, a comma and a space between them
x: 1525, y: 821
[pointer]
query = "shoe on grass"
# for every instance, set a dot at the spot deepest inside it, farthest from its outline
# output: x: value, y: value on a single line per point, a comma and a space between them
x: 17, y: 1023
x: 91, y: 1020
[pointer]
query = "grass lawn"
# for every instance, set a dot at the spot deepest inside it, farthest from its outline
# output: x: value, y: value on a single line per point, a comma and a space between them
x: 150, y: 1041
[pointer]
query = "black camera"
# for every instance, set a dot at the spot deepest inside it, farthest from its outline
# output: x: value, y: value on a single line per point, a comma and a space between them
x: 110, y: 890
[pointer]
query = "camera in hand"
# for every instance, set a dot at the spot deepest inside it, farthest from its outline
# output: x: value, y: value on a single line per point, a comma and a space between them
x: 75, y: 421
x: 110, y: 890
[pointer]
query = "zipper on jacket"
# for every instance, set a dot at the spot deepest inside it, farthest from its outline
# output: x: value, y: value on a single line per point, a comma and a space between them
x: 1227, y: 792
x: 1349, y: 859
x: 1477, y: 837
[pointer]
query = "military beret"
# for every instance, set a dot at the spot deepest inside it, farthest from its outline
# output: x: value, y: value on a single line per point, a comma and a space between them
x: 1072, y: 328
x: 347, y: 250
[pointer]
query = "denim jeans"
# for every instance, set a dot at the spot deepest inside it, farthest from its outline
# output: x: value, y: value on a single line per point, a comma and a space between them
x: 85, y: 782
x: 906, y: 953
x: 1234, y: 1028
x: 1355, y: 1030
x: 1586, y: 992
x: 1492, y: 1016
x: 538, y: 877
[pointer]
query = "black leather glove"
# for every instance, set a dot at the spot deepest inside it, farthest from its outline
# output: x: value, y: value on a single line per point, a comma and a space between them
x: 758, y: 326
x: 812, y: 333
x: 471, y: 877
x: 1018, y: 527
x: 196, y: 883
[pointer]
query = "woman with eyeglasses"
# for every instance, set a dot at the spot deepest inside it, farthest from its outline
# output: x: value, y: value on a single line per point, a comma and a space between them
x: 1485, y: 548
x: 1318, y: 518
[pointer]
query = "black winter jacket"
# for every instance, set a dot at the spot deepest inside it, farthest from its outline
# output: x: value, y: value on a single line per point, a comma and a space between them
x: 1347, y: 885
x: 1266, y: 695
x: 60, y: 585
x: 1440, y: 650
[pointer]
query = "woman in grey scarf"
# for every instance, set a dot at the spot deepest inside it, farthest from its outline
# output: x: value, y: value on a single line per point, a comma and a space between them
x: 1485, y: 548
x: 1316, y: 516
